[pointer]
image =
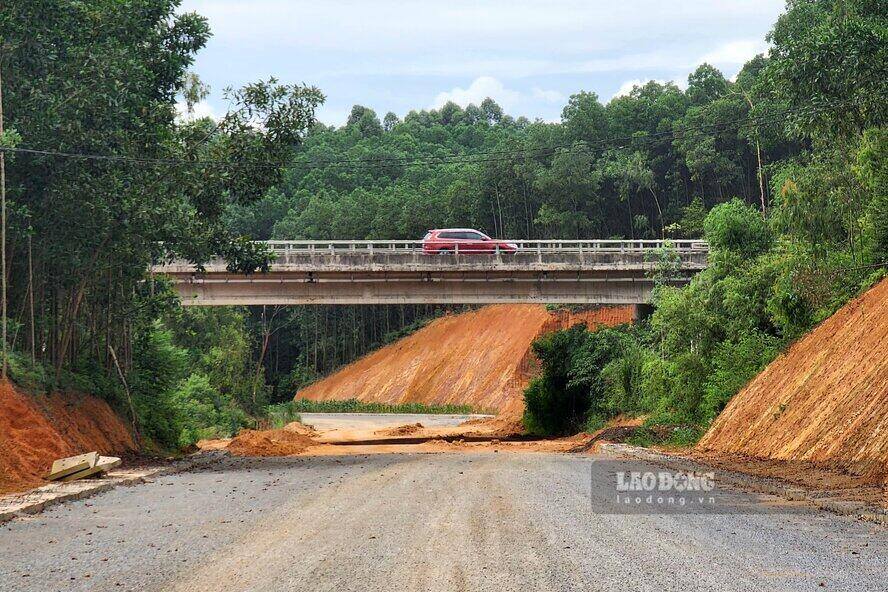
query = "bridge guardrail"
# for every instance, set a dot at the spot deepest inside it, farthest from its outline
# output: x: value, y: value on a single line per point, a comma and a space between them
x: 281, y: 247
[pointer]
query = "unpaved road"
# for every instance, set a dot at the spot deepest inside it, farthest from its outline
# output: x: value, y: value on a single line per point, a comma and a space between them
x: 506, y: 521
x: 375, y: 421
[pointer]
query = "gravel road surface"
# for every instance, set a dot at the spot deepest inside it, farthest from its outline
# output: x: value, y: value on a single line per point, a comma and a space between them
x: 427, y: 522
x: 375, y: 421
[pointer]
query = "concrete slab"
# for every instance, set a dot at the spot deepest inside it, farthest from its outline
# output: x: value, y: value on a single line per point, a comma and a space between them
x: 105, y: 463
x: 36, y: 500
x: 73, y: 464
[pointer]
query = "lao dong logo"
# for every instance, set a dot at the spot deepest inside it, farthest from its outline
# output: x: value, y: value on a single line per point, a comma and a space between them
x: 664, y: 488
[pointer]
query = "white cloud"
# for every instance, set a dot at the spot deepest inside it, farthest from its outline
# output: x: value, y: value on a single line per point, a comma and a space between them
x: 396, y: 55
x: 627, y: 86
x: 735, y: 53
x: 549, y: 96
x: 488, y: 86
x: 481, y: 88
x: 201, y: 109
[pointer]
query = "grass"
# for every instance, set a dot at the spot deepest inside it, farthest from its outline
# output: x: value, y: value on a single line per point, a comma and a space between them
x: 281, y: 414
x: 355, y: 406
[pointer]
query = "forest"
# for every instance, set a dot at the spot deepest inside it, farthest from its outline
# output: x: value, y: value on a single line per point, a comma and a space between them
x: 782, y: 168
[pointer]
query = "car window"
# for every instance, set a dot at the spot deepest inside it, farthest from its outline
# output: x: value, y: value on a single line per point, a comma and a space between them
x: 473, y: 235
x: 450, y: 235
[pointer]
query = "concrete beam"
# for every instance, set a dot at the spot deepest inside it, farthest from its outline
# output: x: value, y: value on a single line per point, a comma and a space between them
x: 569, y: 276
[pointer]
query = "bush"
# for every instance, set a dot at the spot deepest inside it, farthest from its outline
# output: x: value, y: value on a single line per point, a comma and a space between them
x: 552, y: 404
x: 32, y: 376
x: 735, y: 363
x: 737, y: 227
x: 281, y: 414
x: 572, y: 390
x: 298, y: 378
x: 872, y: 171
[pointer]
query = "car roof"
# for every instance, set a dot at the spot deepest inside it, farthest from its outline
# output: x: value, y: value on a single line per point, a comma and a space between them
x: 455, y: 230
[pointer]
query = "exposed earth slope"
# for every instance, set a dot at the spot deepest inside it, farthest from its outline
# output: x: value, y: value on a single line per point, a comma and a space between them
x: 824, y: 401
x: 35, y: 430
x: 480, y: 358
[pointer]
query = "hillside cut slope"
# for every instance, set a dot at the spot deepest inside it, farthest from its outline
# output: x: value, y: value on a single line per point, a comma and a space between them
x: 36, y: 430
x: 480, y: 358
x: 825, y: 400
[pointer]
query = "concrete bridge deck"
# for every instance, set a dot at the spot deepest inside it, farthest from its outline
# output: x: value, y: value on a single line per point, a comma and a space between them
x: 398, y: 272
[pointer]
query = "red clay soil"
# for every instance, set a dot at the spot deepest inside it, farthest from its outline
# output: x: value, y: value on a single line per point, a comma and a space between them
x: 279, y: 442
x: 480, y: 358
x: 824, y: 402
x: 35, y: 430
x: 404, y: 430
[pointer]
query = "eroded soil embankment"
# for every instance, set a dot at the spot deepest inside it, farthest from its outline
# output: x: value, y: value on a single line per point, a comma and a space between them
x: 481, y: 358
x: 824, y: 402
x: 35, y: 430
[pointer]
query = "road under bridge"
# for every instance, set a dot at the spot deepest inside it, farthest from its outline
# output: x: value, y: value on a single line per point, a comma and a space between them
x: 399, y: 272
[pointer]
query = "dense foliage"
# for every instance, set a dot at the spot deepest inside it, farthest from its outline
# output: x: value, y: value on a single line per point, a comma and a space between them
x: 102, y: 78
x: 770, y: 278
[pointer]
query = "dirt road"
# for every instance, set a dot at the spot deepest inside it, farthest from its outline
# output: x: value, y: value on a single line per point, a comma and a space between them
x: 327, y: 422
x: 506, y: 521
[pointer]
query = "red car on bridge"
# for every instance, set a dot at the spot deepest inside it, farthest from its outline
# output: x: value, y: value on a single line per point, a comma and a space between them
x: 463, y: 240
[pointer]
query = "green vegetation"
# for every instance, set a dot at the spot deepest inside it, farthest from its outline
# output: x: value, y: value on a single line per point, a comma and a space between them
x: 281, y: 414
x: 774, y: 271
x: 355, y: 406
x: 782, y: 169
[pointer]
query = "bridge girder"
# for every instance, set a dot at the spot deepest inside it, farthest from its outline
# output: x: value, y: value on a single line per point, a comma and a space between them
x: 335, y: 275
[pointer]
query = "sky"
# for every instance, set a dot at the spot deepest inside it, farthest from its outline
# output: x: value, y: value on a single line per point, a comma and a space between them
x: 528, y: 56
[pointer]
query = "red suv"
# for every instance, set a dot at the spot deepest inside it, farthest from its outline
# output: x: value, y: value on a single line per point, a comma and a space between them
x: 463, y: 240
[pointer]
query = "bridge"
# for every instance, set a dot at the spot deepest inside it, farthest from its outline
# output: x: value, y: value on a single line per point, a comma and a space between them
x: 399, y: 272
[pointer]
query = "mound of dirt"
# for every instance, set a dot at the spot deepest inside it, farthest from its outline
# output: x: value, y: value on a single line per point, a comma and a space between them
x: 404, y: 430
x: 282, y: 442
x: 300, y: 428
x: 824, y: 401
x: 36, y: 430
x: 480, y: 358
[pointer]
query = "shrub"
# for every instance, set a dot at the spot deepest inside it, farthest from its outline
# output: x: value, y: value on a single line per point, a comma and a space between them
x: 736, y: 362
x: 281, y: 414
x: 737, y: 227
x: 572, y: 390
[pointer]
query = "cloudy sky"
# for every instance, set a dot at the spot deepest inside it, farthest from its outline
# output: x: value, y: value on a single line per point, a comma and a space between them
x: 530, y: 56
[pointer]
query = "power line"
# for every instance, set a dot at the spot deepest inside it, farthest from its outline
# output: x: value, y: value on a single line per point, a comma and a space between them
x: 475, y: 158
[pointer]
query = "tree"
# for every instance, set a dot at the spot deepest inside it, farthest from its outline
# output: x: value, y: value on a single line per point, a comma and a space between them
x: 364, y: 122
x: 705, y: 84
x: 97, y: 224
x: 827, y: 63
x: 493, y: 113
x: 390, y: 121
x: 872, y: 170
x: 584, y: 118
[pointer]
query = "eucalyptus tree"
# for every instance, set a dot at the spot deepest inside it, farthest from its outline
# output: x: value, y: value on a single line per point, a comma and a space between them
x: 100, y: 80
